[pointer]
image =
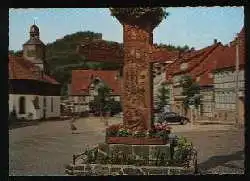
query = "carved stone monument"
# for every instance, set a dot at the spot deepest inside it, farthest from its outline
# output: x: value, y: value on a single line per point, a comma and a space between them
x: 129, y: 154
x: 137, y: 54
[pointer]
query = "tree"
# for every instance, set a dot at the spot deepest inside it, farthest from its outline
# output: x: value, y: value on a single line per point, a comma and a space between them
x: 163, y: 96
x: 102, y: 102
x: 191, y: 91
x: 174, y: 48
x: 18, y: 53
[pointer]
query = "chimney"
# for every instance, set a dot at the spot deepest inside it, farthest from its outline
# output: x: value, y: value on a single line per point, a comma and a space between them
x: 215, y: 41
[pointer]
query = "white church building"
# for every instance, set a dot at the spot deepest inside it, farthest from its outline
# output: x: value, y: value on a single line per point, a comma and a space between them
x: 33, y: 94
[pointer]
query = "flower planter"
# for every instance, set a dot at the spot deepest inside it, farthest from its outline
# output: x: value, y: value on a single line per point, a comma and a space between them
x: 136, y: 141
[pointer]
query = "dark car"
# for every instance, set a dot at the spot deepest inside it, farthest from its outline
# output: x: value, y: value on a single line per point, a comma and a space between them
x: 172, y: 117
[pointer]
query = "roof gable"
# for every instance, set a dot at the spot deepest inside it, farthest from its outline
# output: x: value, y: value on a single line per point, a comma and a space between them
x: 82, y: 79
x: 19, y: 68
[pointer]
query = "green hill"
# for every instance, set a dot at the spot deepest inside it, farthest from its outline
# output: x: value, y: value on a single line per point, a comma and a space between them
x: 62, y: 57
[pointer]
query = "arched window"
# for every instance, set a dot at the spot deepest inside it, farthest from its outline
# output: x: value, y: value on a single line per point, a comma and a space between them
x: 22, y: 105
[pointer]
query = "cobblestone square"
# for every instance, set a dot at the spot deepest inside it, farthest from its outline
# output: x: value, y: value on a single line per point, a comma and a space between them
x: 45, y: 148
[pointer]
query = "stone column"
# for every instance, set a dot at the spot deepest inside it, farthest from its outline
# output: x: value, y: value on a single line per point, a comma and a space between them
x: 137, y: 81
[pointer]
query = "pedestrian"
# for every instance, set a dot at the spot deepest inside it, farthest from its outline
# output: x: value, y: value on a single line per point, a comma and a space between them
x: 72, y: 125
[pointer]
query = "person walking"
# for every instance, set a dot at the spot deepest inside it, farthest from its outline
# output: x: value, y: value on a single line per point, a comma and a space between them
x: 72, y: 124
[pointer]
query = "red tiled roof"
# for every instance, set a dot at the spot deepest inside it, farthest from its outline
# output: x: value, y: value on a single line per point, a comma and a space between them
x: 170, y: 68
x: 194, y: 59
x: 81, y: 79
x: 227, y: 56
x: 208, y: 64
x: 205, y: 79
x: 163, y: 54
x: 50, y: 79
x: 202, y: 62
x: 20, y: 68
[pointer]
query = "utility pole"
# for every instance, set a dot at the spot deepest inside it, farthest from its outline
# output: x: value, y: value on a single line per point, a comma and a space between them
x: 236, y: 82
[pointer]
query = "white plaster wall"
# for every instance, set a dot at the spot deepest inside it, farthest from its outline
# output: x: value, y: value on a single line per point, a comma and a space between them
x: 56, y: 106
x: 29, y: 106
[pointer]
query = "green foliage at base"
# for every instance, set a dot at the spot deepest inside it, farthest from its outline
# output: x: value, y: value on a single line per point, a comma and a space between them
x: 181, y: 156
x: 183, y: 150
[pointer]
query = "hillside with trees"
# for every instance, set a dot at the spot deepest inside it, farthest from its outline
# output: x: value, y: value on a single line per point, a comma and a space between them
x: 62, y: 57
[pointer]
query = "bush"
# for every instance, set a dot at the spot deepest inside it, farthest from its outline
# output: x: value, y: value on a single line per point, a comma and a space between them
x: 183, y: 150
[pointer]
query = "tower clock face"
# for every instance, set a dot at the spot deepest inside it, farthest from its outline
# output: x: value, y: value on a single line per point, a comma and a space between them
x: 31, y: 53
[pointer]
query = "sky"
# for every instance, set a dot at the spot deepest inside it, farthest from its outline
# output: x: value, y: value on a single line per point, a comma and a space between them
x: 196, y: 27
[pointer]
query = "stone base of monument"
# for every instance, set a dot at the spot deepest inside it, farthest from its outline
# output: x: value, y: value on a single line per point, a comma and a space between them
x: 124, y: 159
x: 136, y: 141
x: 108, y: 169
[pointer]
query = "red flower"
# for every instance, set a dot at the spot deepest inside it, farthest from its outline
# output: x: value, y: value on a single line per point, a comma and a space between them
x: 160, y: 127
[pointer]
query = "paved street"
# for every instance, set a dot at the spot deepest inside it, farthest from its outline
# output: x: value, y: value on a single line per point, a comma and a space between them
x: 44, y: 149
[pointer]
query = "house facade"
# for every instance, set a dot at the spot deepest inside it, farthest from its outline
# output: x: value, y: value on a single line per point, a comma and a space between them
x: 85, y: 83
x: 207, y: 96
x: 33, y: 94
x: 191, y: 63
x: 226, y: 79
x: 213, y: 68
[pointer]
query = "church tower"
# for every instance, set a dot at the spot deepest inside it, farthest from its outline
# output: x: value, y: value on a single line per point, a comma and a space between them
x: 34, y: 49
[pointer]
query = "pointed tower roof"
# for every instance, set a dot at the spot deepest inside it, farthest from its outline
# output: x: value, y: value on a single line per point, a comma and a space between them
x: 34, y: 36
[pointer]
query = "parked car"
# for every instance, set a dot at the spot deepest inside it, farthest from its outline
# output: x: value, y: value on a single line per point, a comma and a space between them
x: 172, y: 117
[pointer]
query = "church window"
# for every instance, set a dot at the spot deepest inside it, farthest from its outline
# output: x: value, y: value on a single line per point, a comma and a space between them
x: 22, y: 105
x: 52, y: 106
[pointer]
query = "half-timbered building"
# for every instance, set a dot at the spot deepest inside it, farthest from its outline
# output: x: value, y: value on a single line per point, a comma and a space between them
x: 85, y: 84
x: 227, y: 79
